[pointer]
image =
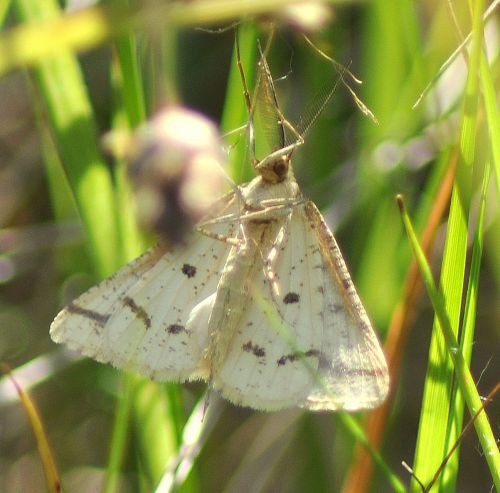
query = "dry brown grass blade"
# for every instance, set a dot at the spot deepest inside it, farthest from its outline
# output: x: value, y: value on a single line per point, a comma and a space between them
x: 48, y: 463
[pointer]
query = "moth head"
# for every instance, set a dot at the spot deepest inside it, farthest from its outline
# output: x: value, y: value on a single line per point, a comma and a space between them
x: 274, y: 169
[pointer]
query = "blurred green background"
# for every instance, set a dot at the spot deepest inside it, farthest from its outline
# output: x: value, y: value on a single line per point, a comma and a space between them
x: 67, y: 219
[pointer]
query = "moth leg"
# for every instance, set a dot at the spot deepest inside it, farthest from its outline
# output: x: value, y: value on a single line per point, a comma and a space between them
x: 284, y: 202
x: 274, y: 212
x: 267, y: 211
x: 218, y: 236
x: 269, y: 258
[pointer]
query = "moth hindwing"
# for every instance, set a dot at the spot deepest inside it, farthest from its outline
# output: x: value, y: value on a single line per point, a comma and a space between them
x: 271, y: 319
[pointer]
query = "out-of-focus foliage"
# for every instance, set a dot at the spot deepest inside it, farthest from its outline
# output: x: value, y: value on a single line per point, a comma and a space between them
x: 67, y: 218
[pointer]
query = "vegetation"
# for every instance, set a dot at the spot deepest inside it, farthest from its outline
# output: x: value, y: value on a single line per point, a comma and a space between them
x: 68, y: 219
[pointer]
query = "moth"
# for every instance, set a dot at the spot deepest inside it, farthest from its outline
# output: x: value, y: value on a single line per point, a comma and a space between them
x: 257, y: 301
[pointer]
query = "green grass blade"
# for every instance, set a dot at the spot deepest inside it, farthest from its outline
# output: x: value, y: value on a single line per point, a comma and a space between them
x: 130, y: 80
x: 492, y: 118
x: 357, y: 432
x: 62, y: 200
x: 129, y: 113
x: 235, y: 113
x: 435, y: 429
x: 464, y: 377
x: 435, y: 407
x: 493, y: 121
x: 61, y: 85
x: 155, y: 429
x: 448, y: 478
x: 119, y: 436
x: 4, y: 9
x: 131, y: 246
x: 467, y: 332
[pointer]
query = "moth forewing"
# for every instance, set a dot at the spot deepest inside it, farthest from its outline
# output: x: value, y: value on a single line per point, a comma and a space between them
x: 353, y: 371
x: 140, y: 318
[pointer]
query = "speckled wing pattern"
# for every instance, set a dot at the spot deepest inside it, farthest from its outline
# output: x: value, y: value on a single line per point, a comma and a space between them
x: 321, y: 352
x: 191, y: 312
x: 138, y: 319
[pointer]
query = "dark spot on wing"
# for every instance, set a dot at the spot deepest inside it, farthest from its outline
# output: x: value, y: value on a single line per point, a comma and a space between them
x: 189, y: 270
x: 100, y: 318
x: 254, y: 348
x: 137, y: 310
x: 311, y: 353
x: 282, y: 360
x: 175, y: 329
x: 291, y: 298
x: 335, y: 307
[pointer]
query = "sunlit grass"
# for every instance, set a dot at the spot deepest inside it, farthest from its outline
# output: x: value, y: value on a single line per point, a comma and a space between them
x: 350, y: 167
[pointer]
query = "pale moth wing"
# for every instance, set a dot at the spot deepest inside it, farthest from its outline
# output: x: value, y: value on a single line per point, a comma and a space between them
x: 324, y: 355
x: 138, y: 319
x: 353, y: 371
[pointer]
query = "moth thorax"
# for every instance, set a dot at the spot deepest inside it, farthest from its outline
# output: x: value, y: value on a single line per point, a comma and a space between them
x: 276, y: 170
